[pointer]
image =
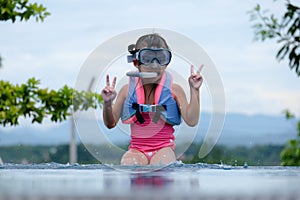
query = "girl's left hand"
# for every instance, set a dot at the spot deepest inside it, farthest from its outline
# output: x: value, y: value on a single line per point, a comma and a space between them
x: 195, y: 80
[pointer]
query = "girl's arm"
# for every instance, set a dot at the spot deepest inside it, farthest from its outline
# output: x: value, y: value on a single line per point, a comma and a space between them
x: 112, y: 113
x: 190, y: 111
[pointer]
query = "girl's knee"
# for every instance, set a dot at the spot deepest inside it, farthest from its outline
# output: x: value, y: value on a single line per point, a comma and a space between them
x: 134, y: 158
x: 164, y: 156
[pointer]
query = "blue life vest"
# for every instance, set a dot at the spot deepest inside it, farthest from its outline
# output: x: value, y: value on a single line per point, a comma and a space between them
x: 165, y: 106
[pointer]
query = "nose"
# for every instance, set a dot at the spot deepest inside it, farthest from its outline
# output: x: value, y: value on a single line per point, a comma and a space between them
x: 155, y: 60
x: 155, y: 63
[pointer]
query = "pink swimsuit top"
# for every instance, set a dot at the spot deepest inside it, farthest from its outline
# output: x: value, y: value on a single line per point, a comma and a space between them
x: 151, y: 136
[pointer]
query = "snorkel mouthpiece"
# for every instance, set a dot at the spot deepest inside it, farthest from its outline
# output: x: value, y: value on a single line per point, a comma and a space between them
x: 142, y: 74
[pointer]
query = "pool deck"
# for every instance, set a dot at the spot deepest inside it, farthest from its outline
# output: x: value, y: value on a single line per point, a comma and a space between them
x: 179, y: 181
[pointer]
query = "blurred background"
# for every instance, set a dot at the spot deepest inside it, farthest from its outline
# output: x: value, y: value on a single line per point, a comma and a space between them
x: 258, y: 88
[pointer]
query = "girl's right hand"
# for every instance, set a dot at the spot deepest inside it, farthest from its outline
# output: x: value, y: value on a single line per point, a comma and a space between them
x: 109, y: 93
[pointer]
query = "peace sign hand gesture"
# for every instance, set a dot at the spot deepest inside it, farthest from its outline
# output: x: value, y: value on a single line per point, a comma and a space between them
x: 109, y: 93
x: 195, y: 80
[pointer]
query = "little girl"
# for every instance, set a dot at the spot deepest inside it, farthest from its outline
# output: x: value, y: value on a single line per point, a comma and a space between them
x: 151, y: 103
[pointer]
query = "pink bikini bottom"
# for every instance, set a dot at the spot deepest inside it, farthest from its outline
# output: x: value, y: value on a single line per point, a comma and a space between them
x: 149, y: 154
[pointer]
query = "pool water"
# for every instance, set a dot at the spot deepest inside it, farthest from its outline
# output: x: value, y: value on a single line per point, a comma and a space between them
x: 177, y: 181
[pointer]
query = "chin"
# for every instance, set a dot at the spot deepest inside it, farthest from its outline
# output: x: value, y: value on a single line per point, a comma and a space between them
x: 151, y: 80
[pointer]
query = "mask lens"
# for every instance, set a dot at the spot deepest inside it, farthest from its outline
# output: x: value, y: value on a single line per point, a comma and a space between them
x: 147, y: 56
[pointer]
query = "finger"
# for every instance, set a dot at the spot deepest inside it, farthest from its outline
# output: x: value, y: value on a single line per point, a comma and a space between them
x: 200, y: 69
x: 114, y: 82
x: 107, y: 80
x: 105, y: 90
x: 192, y: 69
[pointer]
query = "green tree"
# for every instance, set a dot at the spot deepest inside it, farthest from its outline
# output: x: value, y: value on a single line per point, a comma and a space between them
x: 286, y: 30
x: 22, y: 10
x: 28, y: 100
x: 290, y: 155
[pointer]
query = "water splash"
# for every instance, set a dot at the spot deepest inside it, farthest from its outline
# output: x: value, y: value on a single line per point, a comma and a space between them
x: 178, y: 165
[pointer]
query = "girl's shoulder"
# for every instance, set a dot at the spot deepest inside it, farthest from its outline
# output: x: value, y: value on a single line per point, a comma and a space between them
x: 124, y: 90
x: 177, y: 90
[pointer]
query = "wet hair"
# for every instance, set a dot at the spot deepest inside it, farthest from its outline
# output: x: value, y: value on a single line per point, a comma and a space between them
x: 152, y: 40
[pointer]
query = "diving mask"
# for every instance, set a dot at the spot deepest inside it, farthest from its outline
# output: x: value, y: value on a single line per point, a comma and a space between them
x: 146, y: 56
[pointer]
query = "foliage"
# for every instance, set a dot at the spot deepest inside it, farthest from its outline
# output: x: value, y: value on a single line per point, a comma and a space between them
x: 60, y: 154
x: 22, y: 9
x: 286, y: 30
x: 260, y: 155
x: 30, y: 101
x: 290, y: 155
x: 43, y: 154
x: 263, y: 155
x: 25, y: 154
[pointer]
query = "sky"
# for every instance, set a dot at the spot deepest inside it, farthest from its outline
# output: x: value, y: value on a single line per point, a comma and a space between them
x: 54, y: 50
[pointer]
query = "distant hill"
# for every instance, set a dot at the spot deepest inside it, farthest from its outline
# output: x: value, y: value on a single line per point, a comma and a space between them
x: 239, y: 129
x: 250, y: 130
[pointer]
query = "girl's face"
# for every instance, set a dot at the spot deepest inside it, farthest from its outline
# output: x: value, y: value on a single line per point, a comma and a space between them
x: 153, y: 67
x: 154, y: 60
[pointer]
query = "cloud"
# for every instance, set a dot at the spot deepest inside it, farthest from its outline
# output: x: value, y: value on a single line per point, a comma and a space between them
x: 55, y: 50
